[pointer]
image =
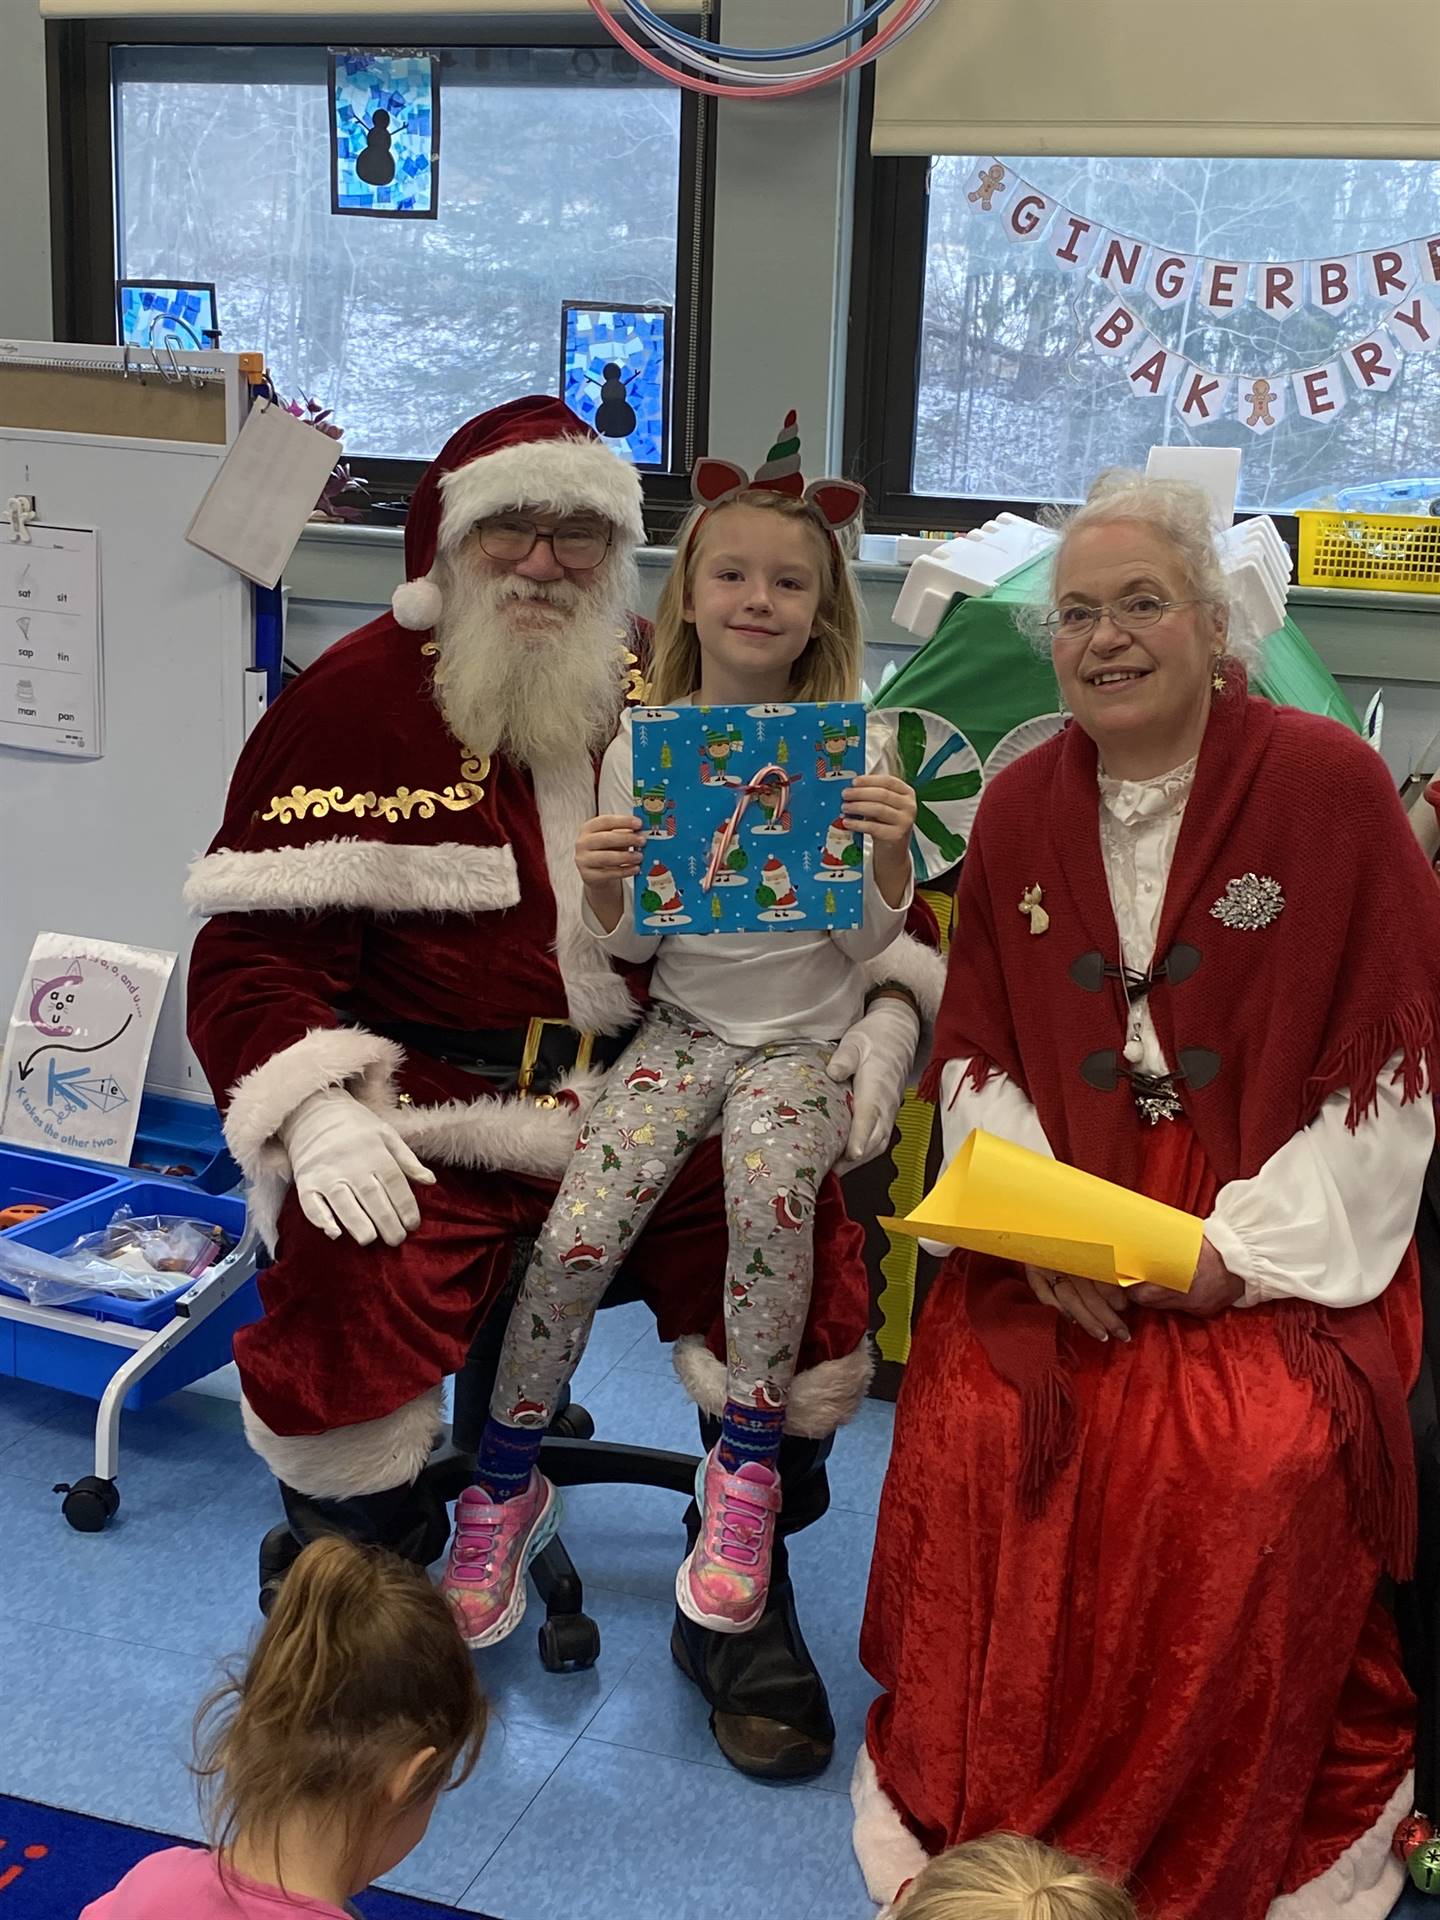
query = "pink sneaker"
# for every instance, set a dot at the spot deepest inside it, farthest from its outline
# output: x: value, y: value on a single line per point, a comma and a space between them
x: 724, y: 1580
x: 484, y: 1577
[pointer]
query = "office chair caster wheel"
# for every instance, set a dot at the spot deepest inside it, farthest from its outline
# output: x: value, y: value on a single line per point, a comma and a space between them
x: 569, y: 1643
x: 573, y: 1424
x: 279, y: 1551
x: 90, y: 1505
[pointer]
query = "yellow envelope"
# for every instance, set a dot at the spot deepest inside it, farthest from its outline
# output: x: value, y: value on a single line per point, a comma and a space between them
x: 998, y: 1198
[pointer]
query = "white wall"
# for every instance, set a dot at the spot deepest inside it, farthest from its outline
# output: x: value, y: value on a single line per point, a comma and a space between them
x: 24, y: 172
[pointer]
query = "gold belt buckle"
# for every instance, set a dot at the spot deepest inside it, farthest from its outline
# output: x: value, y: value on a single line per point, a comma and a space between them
x: 531, y: 1053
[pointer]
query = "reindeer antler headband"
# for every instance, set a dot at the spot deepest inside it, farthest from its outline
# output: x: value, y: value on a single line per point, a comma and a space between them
x: 713, y: 482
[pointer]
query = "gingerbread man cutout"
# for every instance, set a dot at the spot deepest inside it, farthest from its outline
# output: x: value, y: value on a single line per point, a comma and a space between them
x: 991, y: 181
x: 1261, y: 394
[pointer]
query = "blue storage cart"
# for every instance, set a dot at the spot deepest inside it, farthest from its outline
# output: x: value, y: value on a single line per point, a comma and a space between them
x: 127, y: 1353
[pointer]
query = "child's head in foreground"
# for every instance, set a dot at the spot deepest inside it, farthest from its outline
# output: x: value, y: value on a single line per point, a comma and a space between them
x: 1005, y: 1877
x: 358, y: 1707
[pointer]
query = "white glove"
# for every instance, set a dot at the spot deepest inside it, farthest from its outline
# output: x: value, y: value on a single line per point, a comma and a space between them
x: 352, y: 1169
x: 878, y: 1051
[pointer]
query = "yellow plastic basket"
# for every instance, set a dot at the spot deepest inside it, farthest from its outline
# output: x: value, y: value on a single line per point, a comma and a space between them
x: 1391, y: 552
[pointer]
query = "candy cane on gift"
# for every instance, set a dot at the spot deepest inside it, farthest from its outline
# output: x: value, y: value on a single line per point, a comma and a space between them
x: 726, y: 838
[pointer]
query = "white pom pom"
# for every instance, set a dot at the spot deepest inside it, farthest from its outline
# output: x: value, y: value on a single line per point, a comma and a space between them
x: 417, y: 604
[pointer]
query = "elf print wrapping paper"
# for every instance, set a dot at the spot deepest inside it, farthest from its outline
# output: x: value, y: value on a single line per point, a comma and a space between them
x: 742, y: 817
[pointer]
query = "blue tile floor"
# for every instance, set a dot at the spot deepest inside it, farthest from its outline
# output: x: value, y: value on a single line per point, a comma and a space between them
x: 596, y: 1792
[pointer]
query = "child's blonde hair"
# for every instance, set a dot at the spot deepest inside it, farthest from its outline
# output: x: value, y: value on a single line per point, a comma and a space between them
x: 360, y: 1667
x: 1005, y: 1877
x: 828, y: 669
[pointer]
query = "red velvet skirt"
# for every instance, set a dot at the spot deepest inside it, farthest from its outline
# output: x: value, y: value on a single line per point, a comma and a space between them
x: 1180, y: 1669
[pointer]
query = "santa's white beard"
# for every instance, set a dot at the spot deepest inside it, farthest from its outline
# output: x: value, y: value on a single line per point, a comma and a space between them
x: 532, y: 669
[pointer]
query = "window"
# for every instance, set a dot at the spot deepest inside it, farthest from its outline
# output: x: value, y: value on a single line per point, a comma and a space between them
x: 566, y: 173
x: 988, y: 387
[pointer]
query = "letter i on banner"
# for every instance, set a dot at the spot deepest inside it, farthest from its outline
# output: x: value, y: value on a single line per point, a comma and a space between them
x: 1319, y: 391
x: 1373, y: 363
x: 993, y: 182
x: 1200, y: 396
x: 1415, y: 325
x: 1280, y: 287
x: 1027, y: 212
x: 1154, y: 369
x: 1261, y: 401
x: 1072, y: 241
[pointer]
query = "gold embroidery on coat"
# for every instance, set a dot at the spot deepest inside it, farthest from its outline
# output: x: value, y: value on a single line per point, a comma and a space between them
x: 466, y: 792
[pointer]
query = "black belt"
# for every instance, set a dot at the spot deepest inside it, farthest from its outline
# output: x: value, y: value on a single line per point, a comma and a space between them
x: 531, y: 1059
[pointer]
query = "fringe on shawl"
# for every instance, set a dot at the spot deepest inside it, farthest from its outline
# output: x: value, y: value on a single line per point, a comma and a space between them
x: 1411, y: 1030
x: 1047, y: 1435
x: 978, y: 1073
x: 1382, y: 1490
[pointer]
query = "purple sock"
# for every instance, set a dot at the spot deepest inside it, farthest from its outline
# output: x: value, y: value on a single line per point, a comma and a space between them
x: 507, y: 1455
x: 749, y: 1433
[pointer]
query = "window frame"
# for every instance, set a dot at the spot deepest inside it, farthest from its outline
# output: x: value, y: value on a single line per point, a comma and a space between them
x: 83, y: 212
x: 882, y: 385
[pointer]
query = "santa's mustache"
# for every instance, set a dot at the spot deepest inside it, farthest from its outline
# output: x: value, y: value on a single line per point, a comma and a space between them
x: 553, y: 593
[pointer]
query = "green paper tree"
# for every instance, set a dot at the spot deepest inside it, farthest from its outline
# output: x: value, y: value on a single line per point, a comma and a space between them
x: 667, y: 758
x: 714, y: 906
x: 829, y: 900
x: 782, y: 753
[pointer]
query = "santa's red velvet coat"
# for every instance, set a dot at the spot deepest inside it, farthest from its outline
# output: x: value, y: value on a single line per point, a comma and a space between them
x: 369, y: 871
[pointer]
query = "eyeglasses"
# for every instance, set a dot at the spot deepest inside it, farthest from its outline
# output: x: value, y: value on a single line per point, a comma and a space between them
x: 574, y: 543
x: 1130, y: 615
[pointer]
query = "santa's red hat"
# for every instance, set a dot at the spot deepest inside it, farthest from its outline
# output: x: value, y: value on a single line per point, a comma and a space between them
x: 529, y: 453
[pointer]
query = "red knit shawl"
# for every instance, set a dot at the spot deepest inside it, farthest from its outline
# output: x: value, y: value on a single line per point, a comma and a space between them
x: 1344, y: 977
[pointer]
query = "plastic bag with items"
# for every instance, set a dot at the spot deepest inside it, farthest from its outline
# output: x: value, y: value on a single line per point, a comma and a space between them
x: 135, y: 1258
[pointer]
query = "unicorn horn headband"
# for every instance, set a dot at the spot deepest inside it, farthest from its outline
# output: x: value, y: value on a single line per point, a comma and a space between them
x: 713, y: 482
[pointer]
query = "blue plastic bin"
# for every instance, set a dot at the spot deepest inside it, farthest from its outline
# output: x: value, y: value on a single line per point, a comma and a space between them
x: 36, y: 1179
x: 64, y: 1357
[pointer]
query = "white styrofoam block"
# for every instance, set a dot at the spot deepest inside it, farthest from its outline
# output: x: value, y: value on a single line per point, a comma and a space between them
x: 1215, y: 470
x: 909, y: 547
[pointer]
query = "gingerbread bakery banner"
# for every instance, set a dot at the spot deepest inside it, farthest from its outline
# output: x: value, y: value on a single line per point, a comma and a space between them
x: 1147, y: 280
x: 742, y: 816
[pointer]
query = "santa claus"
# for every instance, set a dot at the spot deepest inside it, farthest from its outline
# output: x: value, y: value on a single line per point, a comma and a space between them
x: 405, y: 1024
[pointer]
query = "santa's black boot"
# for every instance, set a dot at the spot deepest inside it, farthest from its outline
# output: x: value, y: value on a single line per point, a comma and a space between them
x: 768, y: 1708
x: 410, y: 1521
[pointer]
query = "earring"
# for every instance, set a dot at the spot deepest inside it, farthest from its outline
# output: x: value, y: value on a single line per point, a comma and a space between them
x: 1217, y: 677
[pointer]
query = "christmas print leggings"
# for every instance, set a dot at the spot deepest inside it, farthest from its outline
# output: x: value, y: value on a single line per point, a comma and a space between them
x: 784, y: 1127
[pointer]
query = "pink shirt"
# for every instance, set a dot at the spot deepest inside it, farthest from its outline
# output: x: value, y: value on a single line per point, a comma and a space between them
x: 186, y: 1880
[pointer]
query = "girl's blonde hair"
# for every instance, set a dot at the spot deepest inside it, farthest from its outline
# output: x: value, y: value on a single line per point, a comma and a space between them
x: 1005, y: 1877
x: 360, y: 1667
x: 828, y: 669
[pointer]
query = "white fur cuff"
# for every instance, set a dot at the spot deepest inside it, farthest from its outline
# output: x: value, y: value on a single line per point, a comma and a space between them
x: 369, y: 1458
x: 500, y: 1132
x: 261, y: 1102
x: 1364, y: 1883
x: 822, y: 1398
x: 888, y: 1853
x: 910, y: 963
x: 366, y: 876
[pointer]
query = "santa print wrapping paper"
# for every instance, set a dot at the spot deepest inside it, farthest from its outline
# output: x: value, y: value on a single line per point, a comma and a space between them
x: 790, y: 861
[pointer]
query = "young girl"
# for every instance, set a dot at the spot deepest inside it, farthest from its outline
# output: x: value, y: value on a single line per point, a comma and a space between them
x: 758, y: 607
x: 1004, y: 1877
x: 322, y: 1764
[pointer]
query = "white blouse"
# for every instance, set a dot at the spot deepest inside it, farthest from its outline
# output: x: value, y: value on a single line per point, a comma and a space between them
x: 1329, y: 1215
